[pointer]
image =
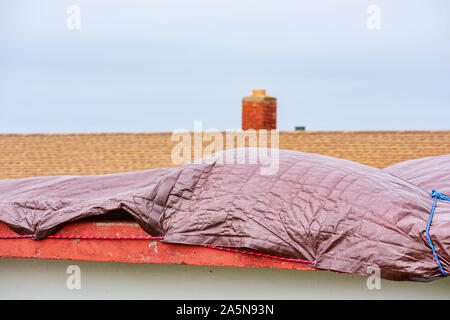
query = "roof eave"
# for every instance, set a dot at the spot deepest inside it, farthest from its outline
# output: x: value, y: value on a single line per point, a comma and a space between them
x: 128, y: 251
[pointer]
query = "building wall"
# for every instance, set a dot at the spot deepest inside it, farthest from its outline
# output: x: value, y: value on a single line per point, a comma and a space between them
x: 46, y: 279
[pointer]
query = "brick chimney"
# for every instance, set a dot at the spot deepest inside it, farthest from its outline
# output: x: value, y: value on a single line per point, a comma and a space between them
x: 259, y: 111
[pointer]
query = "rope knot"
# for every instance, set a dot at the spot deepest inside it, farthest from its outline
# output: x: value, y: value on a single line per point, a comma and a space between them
x: 437, y: 195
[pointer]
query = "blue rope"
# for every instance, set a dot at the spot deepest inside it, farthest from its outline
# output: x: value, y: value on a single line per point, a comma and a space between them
x: 436, y: 195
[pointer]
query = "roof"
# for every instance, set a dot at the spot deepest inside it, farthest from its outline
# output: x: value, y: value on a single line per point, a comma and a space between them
x: 129, y: 251
x: 26, y: 155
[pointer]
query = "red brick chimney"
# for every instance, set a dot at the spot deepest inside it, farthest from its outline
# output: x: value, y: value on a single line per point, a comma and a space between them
x: 259, y: 111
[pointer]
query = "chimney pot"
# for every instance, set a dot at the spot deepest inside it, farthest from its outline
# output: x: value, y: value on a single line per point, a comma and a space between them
x: 258, y: 93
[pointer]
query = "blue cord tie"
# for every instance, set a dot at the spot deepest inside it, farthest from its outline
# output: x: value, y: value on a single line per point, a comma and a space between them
x: 436, y: 195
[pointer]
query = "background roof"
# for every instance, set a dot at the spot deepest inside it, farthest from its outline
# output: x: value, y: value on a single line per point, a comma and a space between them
x: 26, y: 155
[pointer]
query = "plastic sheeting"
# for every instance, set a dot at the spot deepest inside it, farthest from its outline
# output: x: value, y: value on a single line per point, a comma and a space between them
x: 342, y: 215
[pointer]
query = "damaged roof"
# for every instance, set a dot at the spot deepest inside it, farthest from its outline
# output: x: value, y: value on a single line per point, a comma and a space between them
x: 28, y: 155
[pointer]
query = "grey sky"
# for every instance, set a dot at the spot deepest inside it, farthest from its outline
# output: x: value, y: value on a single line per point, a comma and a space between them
x: 160, y: 65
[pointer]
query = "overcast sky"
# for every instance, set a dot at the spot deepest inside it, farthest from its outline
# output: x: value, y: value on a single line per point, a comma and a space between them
x: 159, y: 65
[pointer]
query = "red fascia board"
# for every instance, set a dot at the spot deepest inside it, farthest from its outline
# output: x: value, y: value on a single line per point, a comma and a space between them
x: 129, y: 251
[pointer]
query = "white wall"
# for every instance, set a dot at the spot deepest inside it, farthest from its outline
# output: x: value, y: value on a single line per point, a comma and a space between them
x: 46, y: 279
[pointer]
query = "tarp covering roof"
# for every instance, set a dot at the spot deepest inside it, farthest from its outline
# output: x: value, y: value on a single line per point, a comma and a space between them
x: 341, y: 215
x: 428, y: 173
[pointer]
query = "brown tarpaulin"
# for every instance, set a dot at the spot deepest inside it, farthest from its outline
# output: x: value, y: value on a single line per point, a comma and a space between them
x: 345, y: 216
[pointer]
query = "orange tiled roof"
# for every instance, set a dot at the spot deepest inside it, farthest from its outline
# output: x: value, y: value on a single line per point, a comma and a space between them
x: 25, y: 155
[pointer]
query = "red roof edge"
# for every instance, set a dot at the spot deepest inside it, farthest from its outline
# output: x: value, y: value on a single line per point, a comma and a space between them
x: 129, y: 251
